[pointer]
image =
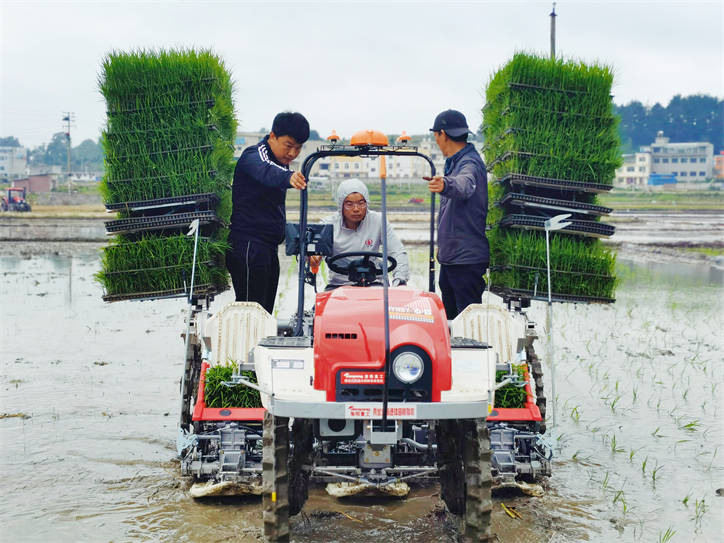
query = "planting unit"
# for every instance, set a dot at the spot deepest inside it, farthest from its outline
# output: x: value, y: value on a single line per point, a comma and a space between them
x: 369, y: 389
x: 169, y: 161
x: 551, y: 146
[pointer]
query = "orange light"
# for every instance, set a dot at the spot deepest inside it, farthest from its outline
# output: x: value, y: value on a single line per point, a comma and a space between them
x: 383, y: 167
x: 403, y: 137
x: 333, y: 136
x: 369, y: 137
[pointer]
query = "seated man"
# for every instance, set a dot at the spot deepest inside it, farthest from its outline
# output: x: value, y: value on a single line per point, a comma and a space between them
x: 357, y: 228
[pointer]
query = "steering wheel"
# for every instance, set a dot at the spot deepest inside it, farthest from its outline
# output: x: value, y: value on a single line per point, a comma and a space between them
x: 362, y: 271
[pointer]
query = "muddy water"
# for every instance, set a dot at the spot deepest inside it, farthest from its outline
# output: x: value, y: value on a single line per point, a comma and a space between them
x: 90, y: 398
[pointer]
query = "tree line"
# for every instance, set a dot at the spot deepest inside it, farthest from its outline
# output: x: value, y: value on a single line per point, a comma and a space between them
x: 698, y: 117
x: 86, y: 156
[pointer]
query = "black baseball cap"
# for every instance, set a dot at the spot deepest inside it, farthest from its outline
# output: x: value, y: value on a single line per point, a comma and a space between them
x: 452, y: 122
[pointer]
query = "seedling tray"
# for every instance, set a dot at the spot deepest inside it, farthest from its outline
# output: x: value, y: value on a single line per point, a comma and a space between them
x: 581, y: 228
x: 527, y: 201
x: 520, y: 294
x: 160, y: 222
x: 548, y: 182
x: 207, y: 200
x: 199, y: 291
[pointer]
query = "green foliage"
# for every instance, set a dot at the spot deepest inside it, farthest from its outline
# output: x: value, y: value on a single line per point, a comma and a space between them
x: 155, y: 263
x: 579, y: 266
x: 551, y: 118
x: 217, y: 394
x: 511, y: 395
x: 170, y: 127
x: 169, y: 132
x: 10, y: 141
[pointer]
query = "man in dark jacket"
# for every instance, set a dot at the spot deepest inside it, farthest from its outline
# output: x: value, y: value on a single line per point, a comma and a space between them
x: 261, y: 179
x: 463, y: 251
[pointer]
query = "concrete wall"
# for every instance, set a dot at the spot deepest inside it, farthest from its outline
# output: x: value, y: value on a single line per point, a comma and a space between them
x: 45, y: 229
x: 64, y: 199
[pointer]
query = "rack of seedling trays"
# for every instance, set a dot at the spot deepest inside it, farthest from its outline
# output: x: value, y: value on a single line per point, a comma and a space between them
x: 551, y: 146
x: 168, y: 145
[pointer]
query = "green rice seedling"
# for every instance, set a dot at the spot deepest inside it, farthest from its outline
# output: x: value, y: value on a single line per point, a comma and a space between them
x: 615, y: 448
x: 554, y: 118
x: 170, y: 126
x: 578, y: 266
x: 218, y: 394
x: 510, y: 395
x: 667, y: 535
x: 155, y: 264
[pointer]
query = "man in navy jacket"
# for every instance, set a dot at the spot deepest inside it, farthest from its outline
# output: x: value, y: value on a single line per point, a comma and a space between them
x: 261, y: 179
x: 463, y: 251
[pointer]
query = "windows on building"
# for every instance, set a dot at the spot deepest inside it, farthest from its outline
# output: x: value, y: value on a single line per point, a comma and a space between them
x: 656, y: 161
x: 692, y: 174
x: 665, y: 160
x: 682, y: 174
x: 702, y: 159
x: 675, y: 160
x: 702, y: 174
x: 629, y: 168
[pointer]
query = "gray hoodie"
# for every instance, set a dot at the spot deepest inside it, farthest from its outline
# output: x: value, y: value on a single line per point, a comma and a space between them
x: 367, y: 236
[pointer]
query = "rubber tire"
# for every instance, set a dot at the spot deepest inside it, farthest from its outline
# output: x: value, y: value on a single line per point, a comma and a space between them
x: 300, y: 458
x: 275, y: 478
x: 537, y: 370
x: 478, y: 482
x: 449, y: 439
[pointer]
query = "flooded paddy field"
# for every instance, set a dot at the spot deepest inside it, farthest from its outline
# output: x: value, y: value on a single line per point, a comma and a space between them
x: 90, y: 398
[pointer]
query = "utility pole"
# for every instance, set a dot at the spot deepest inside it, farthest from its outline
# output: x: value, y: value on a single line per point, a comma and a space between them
x: 553, y: 32
x: 67, y: 117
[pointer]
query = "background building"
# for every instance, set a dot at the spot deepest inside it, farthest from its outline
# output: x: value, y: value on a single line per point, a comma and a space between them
x: 687, y: 161
x: 13, y: 162
x: 635, y: 171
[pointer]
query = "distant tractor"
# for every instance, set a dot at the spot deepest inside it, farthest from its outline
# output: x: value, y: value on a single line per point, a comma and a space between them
x: 14, y: 200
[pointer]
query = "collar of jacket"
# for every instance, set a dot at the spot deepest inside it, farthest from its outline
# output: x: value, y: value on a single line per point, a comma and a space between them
x: 451, y: 161
x: 269, y: 152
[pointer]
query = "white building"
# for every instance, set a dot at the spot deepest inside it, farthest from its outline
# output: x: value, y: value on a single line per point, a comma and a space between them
x: 13, y: 162
x: 635, y: 171
x: 688, y: 161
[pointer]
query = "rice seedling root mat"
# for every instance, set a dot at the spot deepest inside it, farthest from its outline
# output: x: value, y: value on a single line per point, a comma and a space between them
x: 551, y: 146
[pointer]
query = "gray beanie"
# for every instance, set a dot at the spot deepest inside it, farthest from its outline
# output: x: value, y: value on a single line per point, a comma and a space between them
x: 347, y: 187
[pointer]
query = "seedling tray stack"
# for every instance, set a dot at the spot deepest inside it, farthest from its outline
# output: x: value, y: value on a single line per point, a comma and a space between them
x: 551, y: 147
x: 168, y: 145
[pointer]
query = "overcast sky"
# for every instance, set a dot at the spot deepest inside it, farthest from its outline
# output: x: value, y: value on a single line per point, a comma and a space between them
x: 390, y: 65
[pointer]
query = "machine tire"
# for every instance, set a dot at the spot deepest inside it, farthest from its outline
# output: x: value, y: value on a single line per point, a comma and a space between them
x: 449, y: 438
x: 478, y: 482
x: 300, y: 458
x: 275, y: 478
x: 537, y: 370
x: 190, y: 383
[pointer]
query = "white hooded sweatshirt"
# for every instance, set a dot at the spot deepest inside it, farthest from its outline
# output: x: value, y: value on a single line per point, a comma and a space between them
x: 367, y: 236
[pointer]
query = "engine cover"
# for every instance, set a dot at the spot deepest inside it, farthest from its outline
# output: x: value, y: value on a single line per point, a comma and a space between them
x: 349, y: 332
